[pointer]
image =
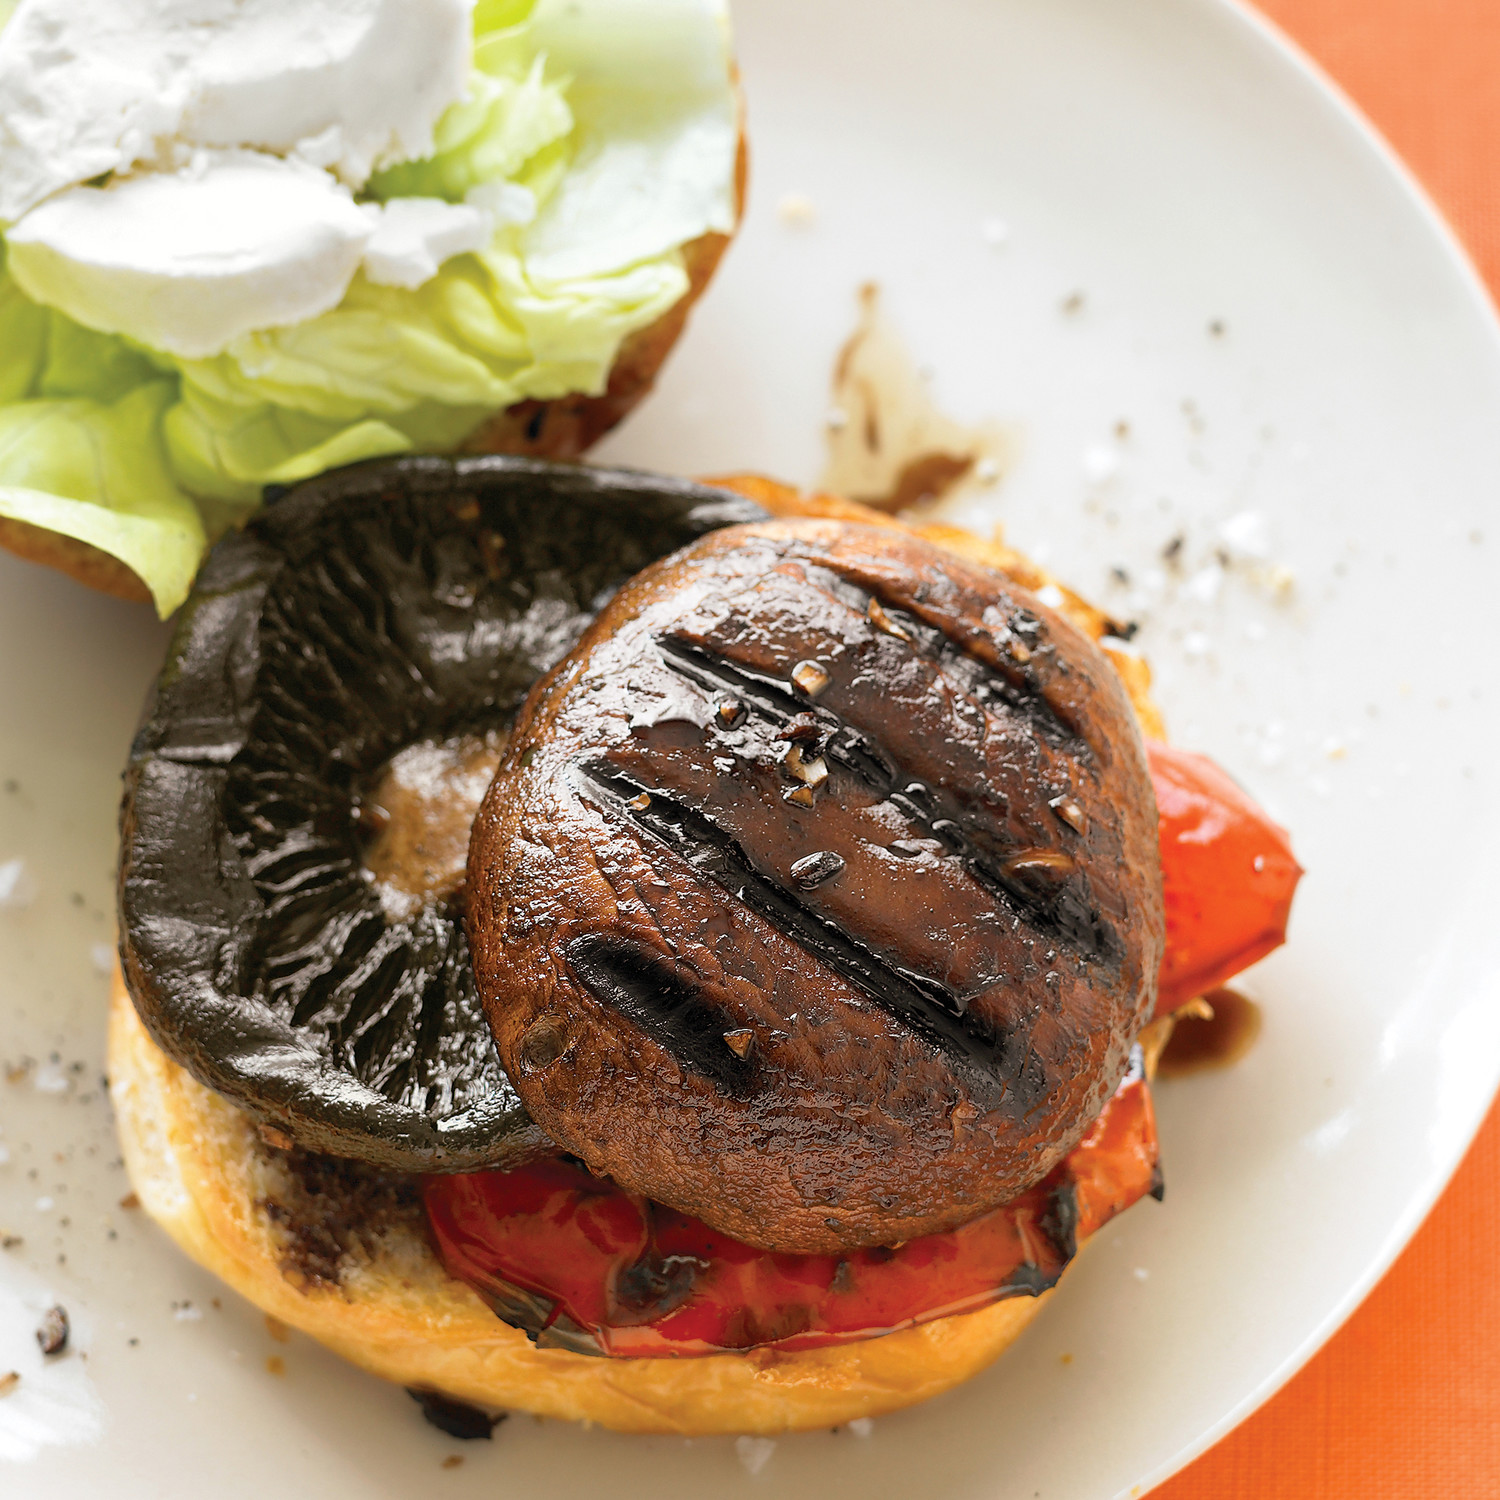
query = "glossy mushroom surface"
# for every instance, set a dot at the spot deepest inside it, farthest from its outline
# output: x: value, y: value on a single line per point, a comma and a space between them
x: 297, y: 800
x: 818, y: 895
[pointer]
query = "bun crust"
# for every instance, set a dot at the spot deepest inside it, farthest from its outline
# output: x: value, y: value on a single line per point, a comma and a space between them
x: 377, y: 1295
x: 82, y: 562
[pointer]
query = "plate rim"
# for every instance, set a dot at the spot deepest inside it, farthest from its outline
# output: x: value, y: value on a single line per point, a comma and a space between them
x: 1261, y: 31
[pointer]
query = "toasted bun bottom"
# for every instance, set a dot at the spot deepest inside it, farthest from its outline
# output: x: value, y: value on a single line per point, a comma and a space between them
x: 354, y: 1270
x: 84, y: 563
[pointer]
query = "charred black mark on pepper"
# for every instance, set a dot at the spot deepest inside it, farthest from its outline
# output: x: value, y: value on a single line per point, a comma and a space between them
x: 1060, y: 1222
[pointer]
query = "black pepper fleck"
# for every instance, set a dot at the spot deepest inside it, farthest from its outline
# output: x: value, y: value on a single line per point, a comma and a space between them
x: 817, y: 869
x: 52, y: 1334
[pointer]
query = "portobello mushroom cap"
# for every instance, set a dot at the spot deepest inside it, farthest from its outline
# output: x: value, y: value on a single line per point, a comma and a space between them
x: 818, y: 894
x: 277, y: 943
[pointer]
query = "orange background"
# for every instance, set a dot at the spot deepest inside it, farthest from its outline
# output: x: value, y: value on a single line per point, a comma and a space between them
x: 1404, y: 1403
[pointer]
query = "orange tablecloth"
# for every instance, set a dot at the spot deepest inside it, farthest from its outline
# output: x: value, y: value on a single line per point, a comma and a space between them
x: 1404, y: 1403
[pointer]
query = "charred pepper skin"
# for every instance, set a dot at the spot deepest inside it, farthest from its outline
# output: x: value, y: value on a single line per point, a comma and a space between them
x: 818, y: 894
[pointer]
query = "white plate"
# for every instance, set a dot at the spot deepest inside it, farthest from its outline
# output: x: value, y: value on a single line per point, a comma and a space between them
x: 1176, y: 164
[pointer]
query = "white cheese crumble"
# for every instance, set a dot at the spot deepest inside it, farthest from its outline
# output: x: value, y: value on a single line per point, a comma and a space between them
x: 187, y: 261
x: 95, y: 86
x: 414, y: 236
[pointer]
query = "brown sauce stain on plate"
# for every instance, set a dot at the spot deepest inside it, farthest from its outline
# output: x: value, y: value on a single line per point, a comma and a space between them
x: 1213, y: 1040
x: 888, y: 446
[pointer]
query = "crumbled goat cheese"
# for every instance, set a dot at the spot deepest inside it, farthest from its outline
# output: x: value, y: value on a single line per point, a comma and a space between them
x: 95, y: 86
x: 188, y: 261
x: 414, y: 236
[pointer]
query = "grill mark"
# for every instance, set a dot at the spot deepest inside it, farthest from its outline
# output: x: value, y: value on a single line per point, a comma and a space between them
x: 1052, y: 907
x: 924, y: 1005
x: 654, y: 995
x: 991, y: 684
x: 935, y: 638
x: 992, y: 689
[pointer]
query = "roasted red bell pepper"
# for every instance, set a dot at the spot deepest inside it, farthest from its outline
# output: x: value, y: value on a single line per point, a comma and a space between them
x: 1227, y: 873
x: 585, y: 1266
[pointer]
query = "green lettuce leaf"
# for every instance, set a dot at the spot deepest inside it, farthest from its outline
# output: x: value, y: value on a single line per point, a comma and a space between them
x: 150, y: 457
x: 97, y: 471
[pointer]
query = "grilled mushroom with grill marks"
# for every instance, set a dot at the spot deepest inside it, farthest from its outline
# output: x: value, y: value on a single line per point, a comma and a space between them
x: 298, y: 799
x: 818, y: 894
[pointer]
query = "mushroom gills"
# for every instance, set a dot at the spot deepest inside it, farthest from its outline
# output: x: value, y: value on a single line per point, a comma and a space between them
x: 293, y: 941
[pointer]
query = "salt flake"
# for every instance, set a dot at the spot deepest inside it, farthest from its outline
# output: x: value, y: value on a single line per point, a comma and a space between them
x: 1100, y: 464
x: 796, y: 210
x: 17, y: 888
x: 995, y: 232
x: 1205, y: 584
x: 754, y: 1452
x: 1246, y: 536
x: 50, y: 1078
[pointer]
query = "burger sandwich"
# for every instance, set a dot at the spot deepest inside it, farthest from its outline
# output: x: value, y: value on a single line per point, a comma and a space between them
x: 689, y: 957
